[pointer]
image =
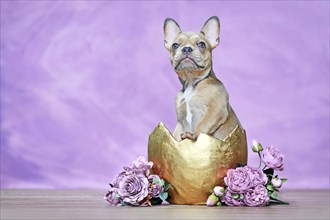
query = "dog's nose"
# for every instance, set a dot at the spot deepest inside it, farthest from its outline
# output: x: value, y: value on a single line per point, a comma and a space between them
x: 187, y: 50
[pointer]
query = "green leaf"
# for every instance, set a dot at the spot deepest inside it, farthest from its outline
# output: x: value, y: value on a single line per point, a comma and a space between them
x: 167, y: 187
x: 235, y: 196
x: 162, y: 182
x: 269, y: 171
x: 284, y: 180
x: 274, y: 195
x: 155, y: 201
x: 155, y: 180
x: 219, y: 203
x: 270, y: 187
x: 163, y: 196
x: 279, y: 201
x: 240, y: 165
x: 123, y: 203
x: 241, y: 196
x: 116, y: 196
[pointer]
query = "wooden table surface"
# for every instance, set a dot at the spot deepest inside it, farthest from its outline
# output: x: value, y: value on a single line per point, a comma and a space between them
x: 89, y: 204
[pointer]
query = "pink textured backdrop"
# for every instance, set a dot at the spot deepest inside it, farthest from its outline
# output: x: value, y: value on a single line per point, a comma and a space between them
x: 83, y: 83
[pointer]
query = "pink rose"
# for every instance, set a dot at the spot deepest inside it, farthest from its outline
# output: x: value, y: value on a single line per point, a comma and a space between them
x: 258, y: 177
x: 141, y: 165
x: 113, y: 197
x: 257, y: 196
x: 133, y: 188
x: 273, y: 158
x: 238, y: 180
x: 232, y: 199
x: 155, y: 188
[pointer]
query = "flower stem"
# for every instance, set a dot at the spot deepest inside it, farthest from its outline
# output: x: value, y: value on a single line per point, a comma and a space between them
x: 259, y: 159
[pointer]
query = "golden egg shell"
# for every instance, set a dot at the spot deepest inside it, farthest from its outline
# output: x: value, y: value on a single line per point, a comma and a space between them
x: 194, y: 168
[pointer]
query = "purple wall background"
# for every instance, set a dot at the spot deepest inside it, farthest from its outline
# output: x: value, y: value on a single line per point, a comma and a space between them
x: 84, y: 83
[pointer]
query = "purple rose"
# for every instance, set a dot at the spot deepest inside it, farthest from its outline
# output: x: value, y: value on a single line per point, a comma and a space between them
x: 256, y: 196
x: 127, y: 171
x: 141, y: 165
x: 257, y: 176
x: 273, y: 158
x: 155, y: 187
x: 113, y: 197
x: 229, y: 199
x: 238, y: 180
x: 133, y: 188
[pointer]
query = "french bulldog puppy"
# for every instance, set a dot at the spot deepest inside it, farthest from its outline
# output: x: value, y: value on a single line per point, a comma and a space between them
x: 202, y: 105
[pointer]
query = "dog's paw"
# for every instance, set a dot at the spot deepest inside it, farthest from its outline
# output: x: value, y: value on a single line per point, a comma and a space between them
x: 194, y: 137
x: 188, y: 135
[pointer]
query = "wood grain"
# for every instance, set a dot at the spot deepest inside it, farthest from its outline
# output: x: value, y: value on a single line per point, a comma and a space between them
x: 89, y: 204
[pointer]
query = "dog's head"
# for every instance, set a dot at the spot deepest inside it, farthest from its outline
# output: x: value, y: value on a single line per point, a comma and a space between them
x: 191, y: 53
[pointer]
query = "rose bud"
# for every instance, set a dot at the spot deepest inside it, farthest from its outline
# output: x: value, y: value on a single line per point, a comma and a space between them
x: 277, y: 183
x: 256, y: 146
x: 219, y: 190
x: 212, y: 200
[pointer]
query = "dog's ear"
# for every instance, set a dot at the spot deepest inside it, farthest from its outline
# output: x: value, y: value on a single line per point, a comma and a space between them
x: 171, y: 30
x: 211, y: 30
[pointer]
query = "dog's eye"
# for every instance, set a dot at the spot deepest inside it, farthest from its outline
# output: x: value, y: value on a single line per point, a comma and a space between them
x: 175, y: 46
x: 201, y: 45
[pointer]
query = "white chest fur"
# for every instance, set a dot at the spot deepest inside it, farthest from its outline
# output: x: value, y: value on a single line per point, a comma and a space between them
x: 188, y: 93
